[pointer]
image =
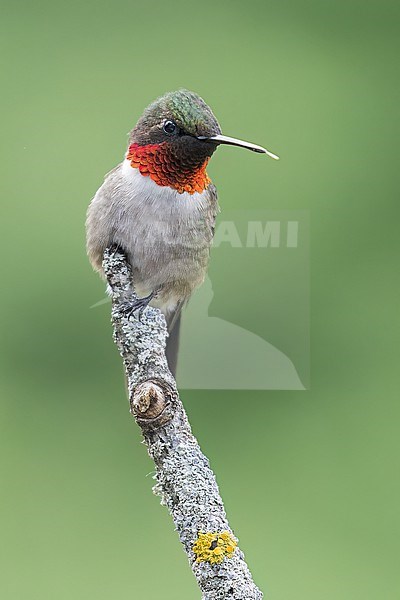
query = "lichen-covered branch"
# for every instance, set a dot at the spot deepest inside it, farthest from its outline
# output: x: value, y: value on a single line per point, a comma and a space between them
x: 185, y: 482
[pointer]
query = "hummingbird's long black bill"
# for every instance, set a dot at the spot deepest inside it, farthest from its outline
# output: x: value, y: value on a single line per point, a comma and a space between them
x: 225, y: 139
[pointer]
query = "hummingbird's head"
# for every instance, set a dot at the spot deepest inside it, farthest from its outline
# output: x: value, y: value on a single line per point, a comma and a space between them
x: 174, y: 139
x: 176, y: 118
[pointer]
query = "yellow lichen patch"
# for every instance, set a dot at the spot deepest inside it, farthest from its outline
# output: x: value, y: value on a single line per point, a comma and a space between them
x: 214, y: 547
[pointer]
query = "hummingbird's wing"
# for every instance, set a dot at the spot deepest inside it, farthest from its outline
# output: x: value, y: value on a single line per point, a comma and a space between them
x: 174, y: 318
x: 214, y: 206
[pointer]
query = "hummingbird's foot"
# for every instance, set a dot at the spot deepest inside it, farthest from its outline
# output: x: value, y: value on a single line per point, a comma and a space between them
x: 136, y: 307
x: 114, y: 248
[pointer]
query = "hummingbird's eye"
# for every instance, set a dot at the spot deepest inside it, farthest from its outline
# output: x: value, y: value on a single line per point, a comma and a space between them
x: 169, y: 127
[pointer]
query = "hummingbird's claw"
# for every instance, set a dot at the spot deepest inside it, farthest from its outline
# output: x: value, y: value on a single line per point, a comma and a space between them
x: 137, y: 306
x: 114, y: 248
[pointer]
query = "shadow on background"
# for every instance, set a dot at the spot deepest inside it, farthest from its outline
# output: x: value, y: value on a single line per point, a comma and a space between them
x: 216, y: 354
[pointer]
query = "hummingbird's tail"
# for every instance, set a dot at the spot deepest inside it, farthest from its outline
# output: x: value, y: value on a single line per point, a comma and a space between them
x: 172, y: 347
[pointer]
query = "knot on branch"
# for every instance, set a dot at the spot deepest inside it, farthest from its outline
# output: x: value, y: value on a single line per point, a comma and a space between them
x: 150, y: 401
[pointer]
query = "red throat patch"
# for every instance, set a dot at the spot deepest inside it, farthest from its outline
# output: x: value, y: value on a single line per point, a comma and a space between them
x: 158, y: 162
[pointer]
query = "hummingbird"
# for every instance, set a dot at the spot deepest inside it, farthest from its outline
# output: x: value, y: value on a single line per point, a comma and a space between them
x: 159, y: 206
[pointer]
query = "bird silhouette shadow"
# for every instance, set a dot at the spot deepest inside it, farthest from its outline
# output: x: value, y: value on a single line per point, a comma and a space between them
x: 217, y: 354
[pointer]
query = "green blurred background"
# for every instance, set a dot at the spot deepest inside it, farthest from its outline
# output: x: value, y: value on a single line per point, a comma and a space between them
x: 310, y: 479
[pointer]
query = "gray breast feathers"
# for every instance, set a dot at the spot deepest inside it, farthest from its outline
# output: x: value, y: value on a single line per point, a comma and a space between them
x: 166, y: 235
